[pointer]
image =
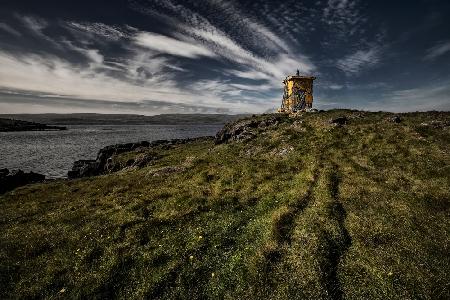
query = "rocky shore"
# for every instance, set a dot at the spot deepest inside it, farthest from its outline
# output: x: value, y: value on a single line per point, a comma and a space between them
x: 10, y: 180
x: 103, y: 163
x: 235, y: 131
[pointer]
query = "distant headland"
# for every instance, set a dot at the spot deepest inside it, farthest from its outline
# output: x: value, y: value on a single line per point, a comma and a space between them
x: 124, y: 119
x: 19, y: 125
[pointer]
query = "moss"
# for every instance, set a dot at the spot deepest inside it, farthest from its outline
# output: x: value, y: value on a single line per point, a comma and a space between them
x: 356, y: 211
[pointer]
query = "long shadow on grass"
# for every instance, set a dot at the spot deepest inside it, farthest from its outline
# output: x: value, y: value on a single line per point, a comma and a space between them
x: 284, y: 226
x: 336, y: 247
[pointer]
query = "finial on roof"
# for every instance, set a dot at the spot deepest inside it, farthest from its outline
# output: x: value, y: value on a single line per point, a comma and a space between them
x: 298, y: 72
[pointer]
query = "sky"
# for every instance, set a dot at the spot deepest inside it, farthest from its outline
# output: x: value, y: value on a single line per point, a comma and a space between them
x: 215, y: 56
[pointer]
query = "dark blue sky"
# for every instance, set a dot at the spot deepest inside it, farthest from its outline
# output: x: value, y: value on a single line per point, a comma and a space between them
x: 173, y: 56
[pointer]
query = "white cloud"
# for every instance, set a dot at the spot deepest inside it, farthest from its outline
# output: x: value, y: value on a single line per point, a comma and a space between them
x: 141, y: 73
x: 168, y: 45
x: 341, y: 13
x: 274, y: 68
x: 361, y: 59
x: 437, y: 50
x: 51, y: 75
x: 336, y: 87
x: 36, y: 25
x: 106, y: 31
x: 9, y: 29
x: 256, y: 32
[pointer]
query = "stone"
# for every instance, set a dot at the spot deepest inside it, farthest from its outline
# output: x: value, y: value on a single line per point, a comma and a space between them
x: 10, y: 180
x: 395, y: 119
x: 3, y: 172
x: 83, y: 168
x: 243, y: 130
x: 339, y: 121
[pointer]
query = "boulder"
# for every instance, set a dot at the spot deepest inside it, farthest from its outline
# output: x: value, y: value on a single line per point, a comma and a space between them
x: 339, y: 121
x: 395, y: 119
x: 11, y: 180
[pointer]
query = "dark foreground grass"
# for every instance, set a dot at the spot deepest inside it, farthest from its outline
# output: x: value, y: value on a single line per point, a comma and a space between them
x: 305, y: 210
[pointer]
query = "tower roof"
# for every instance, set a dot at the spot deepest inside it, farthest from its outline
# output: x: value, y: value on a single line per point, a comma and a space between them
x: 300, y: 77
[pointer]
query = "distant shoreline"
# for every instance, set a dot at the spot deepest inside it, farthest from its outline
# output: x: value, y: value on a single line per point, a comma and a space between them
x: 13, y: 125
x: 123, y: 119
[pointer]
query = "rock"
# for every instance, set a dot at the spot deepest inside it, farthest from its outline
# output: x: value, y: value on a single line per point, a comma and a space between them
x: 436, y: 124
x: 357, y: 115
x: 83, y: 168
x: 395, y: 119
x: 144, y: 159
x: 297, y: 123
x: 283, y: 151
x: 3, y: 172
x: 11, y: 180
x: 243, y: 130
x: 339, y: 121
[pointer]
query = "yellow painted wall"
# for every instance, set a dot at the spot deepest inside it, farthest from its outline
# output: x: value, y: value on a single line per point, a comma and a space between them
x: 300, y: 83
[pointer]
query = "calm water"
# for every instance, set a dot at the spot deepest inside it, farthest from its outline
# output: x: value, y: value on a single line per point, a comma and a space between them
x: 53, y: 152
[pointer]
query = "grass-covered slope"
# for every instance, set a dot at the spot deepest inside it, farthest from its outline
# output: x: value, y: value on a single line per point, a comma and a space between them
x: 300, y: 210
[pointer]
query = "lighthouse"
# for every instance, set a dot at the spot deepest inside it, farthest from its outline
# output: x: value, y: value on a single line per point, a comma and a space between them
x: 298, y: 93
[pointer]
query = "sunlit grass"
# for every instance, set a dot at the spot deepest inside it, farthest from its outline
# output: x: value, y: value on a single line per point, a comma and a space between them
x: 359, y: 211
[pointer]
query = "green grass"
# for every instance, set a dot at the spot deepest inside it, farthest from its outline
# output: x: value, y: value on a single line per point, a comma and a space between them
x: 360, y: 211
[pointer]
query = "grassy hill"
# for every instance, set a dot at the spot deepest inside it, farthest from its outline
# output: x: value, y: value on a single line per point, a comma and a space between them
x: 296, y: 208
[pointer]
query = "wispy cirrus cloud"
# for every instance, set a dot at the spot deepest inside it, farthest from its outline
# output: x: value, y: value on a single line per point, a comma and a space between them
x: 5, y: 27
x: 141, y: 76
x: 113, y: 33
x: 237, y: 49
x: 36, y: 25
x: 439, y: 49
x: 149, y: 64
x: 167, y: 45
x: 52, y: 76
x: 215, y: 54
x: 361, y: 59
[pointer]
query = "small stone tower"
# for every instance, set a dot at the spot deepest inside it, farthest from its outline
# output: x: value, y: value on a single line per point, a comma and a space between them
x: 298, y: 93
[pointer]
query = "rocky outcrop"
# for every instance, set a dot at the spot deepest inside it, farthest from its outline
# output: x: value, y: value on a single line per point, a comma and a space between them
x: 84, y: 168
x: 246, y: 129
x: 10, y: 180
x: 103, y: 163
x: 339, y: 121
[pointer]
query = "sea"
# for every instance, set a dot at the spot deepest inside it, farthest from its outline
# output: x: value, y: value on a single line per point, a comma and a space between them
x: 52, y: 153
